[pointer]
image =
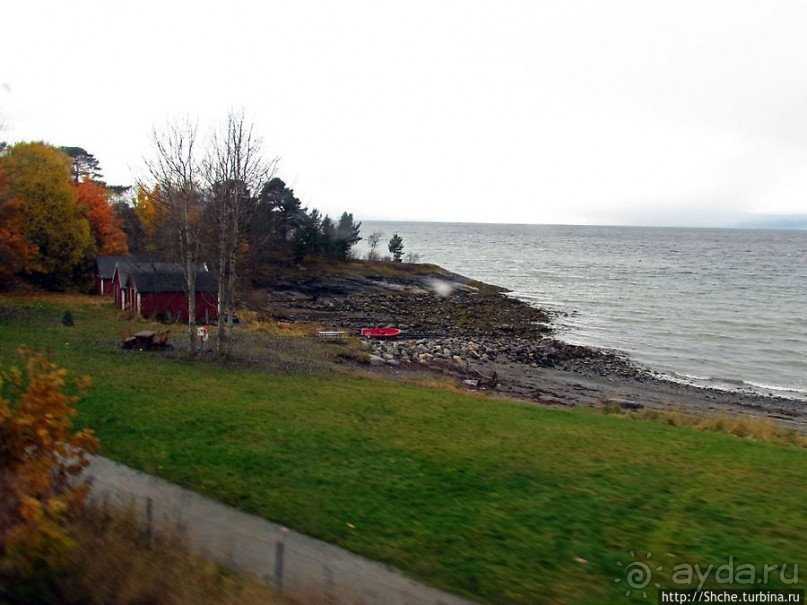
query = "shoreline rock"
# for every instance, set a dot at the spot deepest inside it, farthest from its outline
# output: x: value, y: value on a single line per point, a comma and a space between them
x: 468, y: 330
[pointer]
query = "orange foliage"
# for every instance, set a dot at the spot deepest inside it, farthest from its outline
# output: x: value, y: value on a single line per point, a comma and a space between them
x: 145, y: 205
x: 109, y: 237
x: 148, y: 208
x: 39, y: 177
x: 15, y: 249
x: 39, y: 453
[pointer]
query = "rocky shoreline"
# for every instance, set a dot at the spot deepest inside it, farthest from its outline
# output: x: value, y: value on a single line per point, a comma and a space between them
x: 471, y: 331
x: 546, y: 353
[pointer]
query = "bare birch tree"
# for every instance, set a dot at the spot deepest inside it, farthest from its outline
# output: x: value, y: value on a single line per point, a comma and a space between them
x: 176, y: 168
x: 235, y: 170
x: 373, y: 239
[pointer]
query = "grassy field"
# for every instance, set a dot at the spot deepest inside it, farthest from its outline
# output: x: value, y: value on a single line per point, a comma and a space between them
x: 502, y: 502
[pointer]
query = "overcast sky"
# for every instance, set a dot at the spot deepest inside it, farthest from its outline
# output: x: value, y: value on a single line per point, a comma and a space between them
x: 569, y: 111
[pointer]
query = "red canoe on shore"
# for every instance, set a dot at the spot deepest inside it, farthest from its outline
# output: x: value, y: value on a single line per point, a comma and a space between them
x: 380, y: 333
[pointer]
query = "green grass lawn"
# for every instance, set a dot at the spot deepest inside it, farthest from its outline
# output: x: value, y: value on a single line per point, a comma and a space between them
x: 503, y: 502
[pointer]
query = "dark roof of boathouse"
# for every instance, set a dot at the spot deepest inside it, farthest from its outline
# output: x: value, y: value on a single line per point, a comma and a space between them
x: 105, y: 265
x: 169, y: 279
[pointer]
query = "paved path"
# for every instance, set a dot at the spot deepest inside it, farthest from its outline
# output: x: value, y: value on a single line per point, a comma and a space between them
x: 303, y: 568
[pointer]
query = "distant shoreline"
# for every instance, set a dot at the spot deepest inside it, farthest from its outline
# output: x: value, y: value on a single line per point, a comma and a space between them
x: 478, y: 330
x: 713, y: 303
x: 795, y: 222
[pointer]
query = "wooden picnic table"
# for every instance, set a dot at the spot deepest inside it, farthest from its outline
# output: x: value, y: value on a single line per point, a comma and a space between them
x: 144, y: 339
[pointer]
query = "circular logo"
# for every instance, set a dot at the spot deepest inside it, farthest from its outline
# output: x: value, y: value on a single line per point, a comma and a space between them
x: 638, y: 574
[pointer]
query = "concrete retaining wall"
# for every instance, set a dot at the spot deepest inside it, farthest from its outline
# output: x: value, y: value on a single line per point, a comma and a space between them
x: 301, y: 567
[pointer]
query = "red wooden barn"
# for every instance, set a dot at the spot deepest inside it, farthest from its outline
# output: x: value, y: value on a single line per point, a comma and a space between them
x: 158, y: 290
x: 162, y: 295
x: 105, y: 272
x: 123, y: 269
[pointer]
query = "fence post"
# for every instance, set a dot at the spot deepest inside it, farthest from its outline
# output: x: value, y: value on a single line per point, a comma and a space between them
x: 149, y: 519
x: 279, y: 552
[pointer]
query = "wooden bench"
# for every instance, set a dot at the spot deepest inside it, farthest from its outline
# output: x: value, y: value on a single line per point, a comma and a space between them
x: 331, y: 335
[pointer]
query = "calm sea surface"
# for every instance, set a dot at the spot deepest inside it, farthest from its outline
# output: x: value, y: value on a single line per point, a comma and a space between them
x: 718, y: 307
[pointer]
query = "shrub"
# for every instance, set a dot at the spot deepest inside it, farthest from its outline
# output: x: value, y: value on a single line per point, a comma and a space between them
x: 40, y: 455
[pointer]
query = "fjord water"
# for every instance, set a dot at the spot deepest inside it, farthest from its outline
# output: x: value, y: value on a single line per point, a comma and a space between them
x: 717, y: 307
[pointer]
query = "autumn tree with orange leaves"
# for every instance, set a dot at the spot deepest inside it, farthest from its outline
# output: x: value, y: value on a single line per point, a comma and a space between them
x: 15, y: 249
x: 110, y: 240
x: 50, y: 226
x: 40, y: 457
x: 39, y: 177
x: 150, y: 215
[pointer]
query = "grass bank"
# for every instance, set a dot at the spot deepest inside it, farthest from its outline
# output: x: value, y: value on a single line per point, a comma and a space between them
x: 503, y: 502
